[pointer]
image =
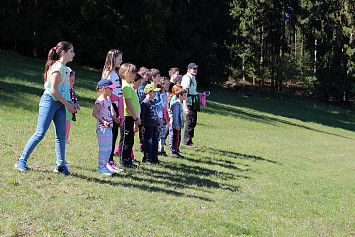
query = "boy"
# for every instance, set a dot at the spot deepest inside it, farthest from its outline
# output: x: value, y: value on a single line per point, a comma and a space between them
x: 164, y: 84
x: 127, y: 73
x: 144, y: 73
x: 174, y: 74
x: 177, y: 122
x: 150, y: 125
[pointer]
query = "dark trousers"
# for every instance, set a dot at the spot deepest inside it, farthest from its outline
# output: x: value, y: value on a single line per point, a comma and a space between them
x: 114, y: 133
x: 191, y: 121
x: 151, y: 144
x: 126, y: 141
x: 174, y: 140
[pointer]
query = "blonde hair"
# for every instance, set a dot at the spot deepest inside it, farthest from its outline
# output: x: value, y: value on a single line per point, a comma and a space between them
x: 125, y: 69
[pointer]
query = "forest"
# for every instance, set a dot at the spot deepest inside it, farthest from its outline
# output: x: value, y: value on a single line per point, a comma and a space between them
x: 290, y: 46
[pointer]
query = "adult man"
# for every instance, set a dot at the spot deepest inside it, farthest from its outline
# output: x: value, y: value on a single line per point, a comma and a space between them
x: 192, y: 104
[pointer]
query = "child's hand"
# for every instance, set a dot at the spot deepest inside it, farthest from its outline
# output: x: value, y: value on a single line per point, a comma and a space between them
x: 116, y: 120
x: 186, y: 111
x: 71, y: 107
x: 138, y: 122
x: 107, y: 124
x: 135, y: 128
x: 77, y: 107
x: 159, y: 129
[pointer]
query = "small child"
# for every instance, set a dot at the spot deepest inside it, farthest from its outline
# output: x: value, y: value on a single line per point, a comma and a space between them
x: 102, y: 112
x: 127, y: 73
x: 150, y: 125
x: 176, y: 120
x: 74, y: 99
x: 144, y: 73
x: 164, y: 85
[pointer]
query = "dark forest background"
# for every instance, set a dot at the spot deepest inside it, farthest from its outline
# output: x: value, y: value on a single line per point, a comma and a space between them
x: 293, y: 46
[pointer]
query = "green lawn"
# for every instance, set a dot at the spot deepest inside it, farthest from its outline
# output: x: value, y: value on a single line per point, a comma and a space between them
x: 263, y: 167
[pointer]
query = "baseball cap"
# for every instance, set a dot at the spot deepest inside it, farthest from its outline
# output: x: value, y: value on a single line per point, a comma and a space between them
x: 150, y: 87
x: 106, y: 83
x: 192, y: 65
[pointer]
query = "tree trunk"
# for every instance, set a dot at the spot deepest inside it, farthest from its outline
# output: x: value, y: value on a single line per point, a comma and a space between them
x: 262, y: 56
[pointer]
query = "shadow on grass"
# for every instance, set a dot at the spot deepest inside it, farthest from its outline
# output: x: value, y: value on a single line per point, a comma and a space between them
x: 229, y: 110
x: 13, y: 95
x: 142, y: 187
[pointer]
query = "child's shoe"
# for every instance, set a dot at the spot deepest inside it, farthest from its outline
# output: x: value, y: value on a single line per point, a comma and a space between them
x: 163, y: 153
x: 104, y: 170
x: 177, y: 155
x: 62, y: 169
x: 21, y: 165
x: 111, y: 166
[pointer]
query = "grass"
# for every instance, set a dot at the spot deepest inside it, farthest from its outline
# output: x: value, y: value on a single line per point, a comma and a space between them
x: 263, y: 167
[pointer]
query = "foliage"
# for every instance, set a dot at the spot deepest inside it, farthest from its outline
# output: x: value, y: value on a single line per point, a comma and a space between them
x: 244, y: 40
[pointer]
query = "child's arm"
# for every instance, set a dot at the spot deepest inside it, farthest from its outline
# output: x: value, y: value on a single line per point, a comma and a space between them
x: 131, y: 110
x: 95, y: 113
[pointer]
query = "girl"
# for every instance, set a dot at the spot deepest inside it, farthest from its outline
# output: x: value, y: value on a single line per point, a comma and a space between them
x: 113, y: 62
x: 172, y: 99
x: 52, y: 105
x: 102, y: 112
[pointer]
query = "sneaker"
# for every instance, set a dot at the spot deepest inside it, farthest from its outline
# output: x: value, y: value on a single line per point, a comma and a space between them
x: 190, y: 144
x: 66, y: 164
x: 163, y: 153
x: 104, y: 170
x: 177, y: 155
x: 113, y: 168
x: 62, y: 169
x: 21, y: 165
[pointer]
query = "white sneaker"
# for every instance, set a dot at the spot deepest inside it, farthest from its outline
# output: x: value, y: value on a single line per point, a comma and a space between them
x: 104, y: 170
x: 113, y: 168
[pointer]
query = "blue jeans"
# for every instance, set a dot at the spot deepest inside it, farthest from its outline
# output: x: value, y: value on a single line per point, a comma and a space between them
x: 49, y: 110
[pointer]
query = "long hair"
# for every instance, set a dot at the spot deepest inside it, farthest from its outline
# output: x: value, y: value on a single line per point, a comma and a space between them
x: 54, y: 55
x: 173, y: 91
x: 110, y: 62
x: 125, y: 69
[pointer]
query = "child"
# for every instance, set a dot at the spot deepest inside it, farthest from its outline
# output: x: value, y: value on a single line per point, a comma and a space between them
x: 164, y: 85
x: 177, y: 121
x: 131, y: 108
x: 55, y: 98
x: 174, y: 74
x: 144, y: 73
x: 135, y: 84
x: 112, y: 63
x: 150, y: 125
x: 71, y: 116
x: 102, y: 112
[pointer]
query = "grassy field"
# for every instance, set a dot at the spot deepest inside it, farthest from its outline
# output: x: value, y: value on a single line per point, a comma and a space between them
x: 263, y: 167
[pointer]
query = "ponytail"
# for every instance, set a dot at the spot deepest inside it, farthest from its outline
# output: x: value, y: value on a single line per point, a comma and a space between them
x: 54, y: 55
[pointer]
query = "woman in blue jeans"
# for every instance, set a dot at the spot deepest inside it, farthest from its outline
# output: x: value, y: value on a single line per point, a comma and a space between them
x: 52, y: 105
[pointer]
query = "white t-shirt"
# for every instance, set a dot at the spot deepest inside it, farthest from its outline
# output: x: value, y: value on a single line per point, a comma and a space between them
x: 113, y: 76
